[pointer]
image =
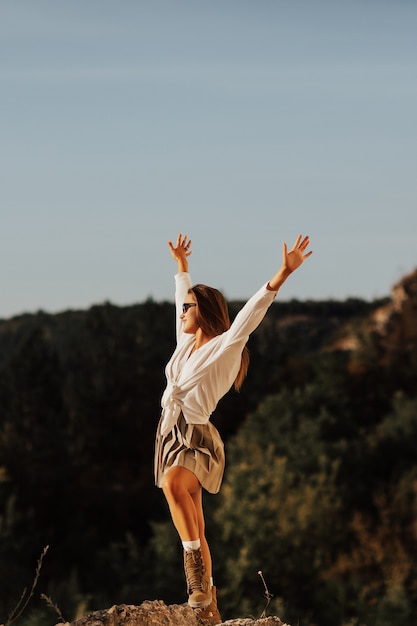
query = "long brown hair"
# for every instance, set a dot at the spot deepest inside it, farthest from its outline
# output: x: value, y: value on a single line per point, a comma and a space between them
x: 213, y: 319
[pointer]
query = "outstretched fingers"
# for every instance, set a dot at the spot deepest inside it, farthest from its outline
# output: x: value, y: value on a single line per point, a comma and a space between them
x: 182, y: 245
x: 186, y: 244
x: 298, y: 253
x: 302, y: 245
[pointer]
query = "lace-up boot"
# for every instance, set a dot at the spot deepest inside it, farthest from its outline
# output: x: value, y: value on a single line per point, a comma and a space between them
x: 210, y: 616
x: 198, y: 583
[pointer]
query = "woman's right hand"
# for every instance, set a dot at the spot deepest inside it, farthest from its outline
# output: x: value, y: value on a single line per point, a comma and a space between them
x: 180, y: 251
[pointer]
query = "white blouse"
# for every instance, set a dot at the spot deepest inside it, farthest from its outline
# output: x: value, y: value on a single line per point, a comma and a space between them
x: 196, y: 382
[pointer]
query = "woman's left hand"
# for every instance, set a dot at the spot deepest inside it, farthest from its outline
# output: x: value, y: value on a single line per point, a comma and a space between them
x: 297, y: 255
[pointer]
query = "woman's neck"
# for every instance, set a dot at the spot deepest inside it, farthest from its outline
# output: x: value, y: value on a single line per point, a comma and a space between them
x: 200, y: 339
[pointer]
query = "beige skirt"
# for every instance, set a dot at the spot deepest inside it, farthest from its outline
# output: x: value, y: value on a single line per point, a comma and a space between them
x: 198, y: 447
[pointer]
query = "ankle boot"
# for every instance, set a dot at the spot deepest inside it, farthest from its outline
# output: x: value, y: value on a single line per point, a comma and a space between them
x: 210, y: 616
x: 198, y: 583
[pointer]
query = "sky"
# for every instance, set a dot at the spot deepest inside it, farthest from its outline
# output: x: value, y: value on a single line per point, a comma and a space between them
x: 241, y: 123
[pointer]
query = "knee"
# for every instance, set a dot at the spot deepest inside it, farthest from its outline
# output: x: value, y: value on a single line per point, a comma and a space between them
x: 173, y: 486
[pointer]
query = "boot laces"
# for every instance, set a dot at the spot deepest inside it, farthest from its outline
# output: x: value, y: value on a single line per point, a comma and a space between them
x: 194, y: 569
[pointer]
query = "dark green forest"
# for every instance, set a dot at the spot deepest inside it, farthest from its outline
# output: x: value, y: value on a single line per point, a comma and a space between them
x: 320, y: 489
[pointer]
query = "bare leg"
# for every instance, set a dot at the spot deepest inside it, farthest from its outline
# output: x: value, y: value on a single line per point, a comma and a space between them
x: 205, y: 550
x: 179, y: 486
x: 183, y: 493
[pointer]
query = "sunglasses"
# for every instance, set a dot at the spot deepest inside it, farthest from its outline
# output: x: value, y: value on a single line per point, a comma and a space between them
x: 187, y: 305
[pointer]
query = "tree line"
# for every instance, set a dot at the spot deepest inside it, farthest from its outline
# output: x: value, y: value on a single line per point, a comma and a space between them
x: 320, y: 489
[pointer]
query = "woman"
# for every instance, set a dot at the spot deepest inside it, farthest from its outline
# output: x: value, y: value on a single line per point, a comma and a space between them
x: 210, y: 357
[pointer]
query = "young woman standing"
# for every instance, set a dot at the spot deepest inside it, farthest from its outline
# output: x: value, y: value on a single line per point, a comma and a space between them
x: 210, y: 357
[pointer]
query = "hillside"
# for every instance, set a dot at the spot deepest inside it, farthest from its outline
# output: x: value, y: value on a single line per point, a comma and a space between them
x: 321, y: 480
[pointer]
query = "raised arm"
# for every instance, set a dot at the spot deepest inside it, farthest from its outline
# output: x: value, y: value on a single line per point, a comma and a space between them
x: 181, y: 251
x: 290, y: 261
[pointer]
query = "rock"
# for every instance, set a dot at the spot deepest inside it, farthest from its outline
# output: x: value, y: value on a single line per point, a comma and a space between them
x: 157, y: 613
x: 396, y: 322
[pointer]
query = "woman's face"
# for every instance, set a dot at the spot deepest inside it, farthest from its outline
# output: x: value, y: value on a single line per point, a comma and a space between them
x: 189, y: 314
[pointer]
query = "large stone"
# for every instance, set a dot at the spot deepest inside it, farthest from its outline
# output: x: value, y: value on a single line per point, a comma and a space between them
x: 157, y: 613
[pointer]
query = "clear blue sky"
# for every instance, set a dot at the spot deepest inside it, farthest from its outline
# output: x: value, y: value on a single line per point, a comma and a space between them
x: 241, y: 123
